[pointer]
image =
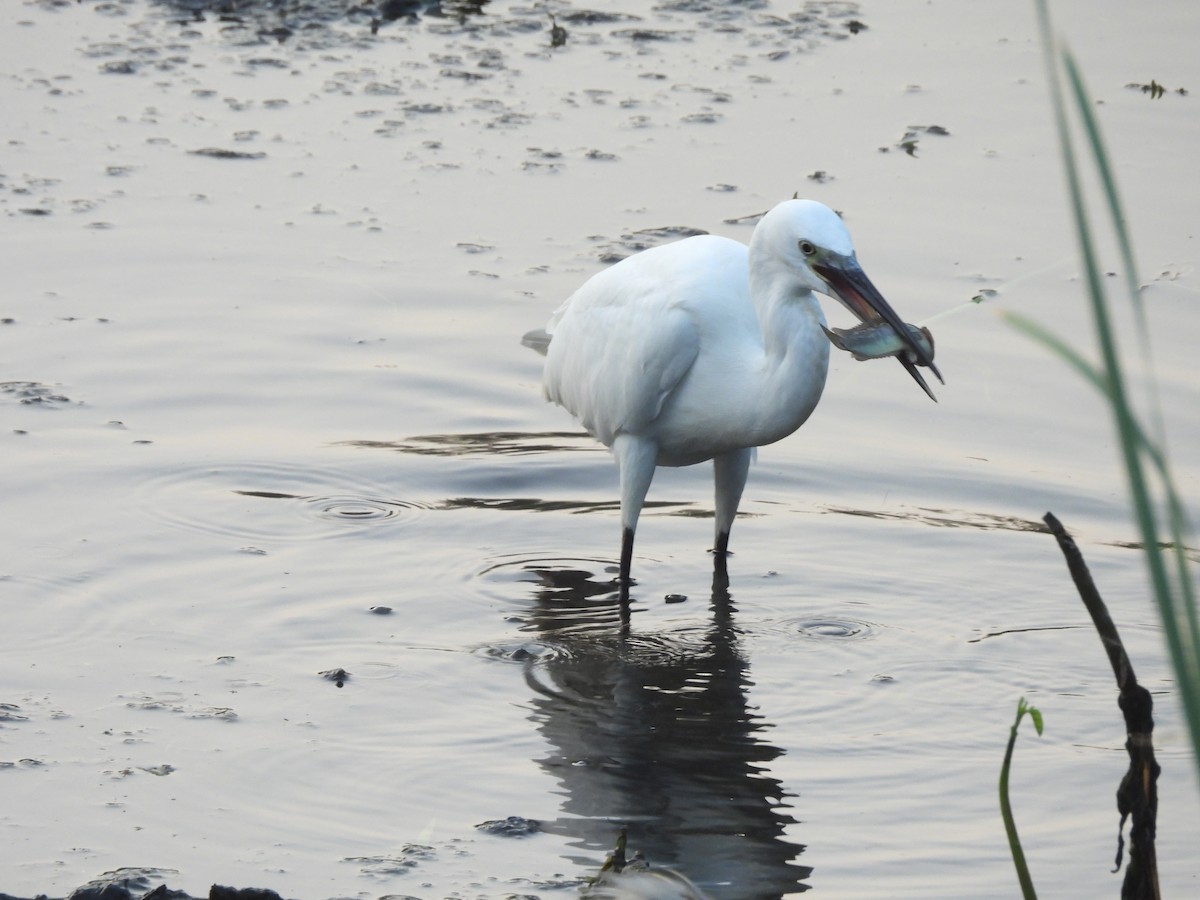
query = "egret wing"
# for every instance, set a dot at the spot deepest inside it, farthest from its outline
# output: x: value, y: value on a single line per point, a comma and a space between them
x: 618, y: 348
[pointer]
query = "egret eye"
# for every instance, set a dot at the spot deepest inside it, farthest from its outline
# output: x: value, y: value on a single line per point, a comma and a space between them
x: 807, y: 248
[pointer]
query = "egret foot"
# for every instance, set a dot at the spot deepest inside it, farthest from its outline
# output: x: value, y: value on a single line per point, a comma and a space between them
x: 721, y: 550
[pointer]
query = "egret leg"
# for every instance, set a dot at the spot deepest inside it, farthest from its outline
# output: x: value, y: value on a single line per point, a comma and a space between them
x: 729, y: 474
x: 626, y: 556
x: 636, y: 458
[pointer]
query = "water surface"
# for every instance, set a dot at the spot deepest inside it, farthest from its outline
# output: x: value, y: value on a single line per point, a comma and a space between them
x: 254, y: 398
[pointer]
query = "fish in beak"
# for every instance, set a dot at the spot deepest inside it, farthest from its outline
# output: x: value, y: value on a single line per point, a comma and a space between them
x: 849, y: 284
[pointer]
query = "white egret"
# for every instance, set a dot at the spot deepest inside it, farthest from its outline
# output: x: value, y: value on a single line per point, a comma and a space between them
x: 705, y: 349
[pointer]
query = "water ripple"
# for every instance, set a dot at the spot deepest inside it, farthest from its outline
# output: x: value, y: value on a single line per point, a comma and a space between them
x: 501, y: 443
x: 832, y: 629
x: 567, y: 594
x: 949, y: 518
x: 269, y: 501
x: 353, y: 509
x: 524, y: 652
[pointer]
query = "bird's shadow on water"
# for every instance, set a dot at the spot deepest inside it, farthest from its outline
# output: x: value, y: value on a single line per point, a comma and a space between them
x: 653, y: 732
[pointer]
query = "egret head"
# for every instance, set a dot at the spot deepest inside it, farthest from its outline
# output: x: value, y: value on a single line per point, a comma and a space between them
x: 797, y: 233
x: 811, y: 240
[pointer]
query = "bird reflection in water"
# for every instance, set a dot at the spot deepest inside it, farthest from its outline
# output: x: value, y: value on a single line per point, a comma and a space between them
x: 653, y: 733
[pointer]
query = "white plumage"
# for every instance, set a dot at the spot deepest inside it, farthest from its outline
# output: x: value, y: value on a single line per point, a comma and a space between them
x: 705, y: 349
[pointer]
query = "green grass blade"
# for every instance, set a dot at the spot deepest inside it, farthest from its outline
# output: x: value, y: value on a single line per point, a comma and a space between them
x: 1060, y: 348
x: 1116, y: 218
x: 1104, y: 170
x: 1170, y: 574
x: 1179, y: 526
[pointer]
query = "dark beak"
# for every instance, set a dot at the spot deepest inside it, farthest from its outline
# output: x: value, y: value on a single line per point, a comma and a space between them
x: 853, y: 288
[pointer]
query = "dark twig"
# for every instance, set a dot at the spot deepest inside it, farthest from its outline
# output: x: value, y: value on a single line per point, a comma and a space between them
x: 1137, y: 796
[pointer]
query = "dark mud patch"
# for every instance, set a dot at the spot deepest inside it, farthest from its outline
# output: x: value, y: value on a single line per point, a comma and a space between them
x: 616, y: 249
x: 137, y: 883
x: 33, y: 393
x: 321, y: 25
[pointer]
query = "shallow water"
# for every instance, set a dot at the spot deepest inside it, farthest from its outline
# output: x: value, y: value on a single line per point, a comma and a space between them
x: 251, y: 402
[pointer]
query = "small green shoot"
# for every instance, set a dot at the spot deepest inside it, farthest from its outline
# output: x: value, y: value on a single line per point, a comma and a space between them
x: 1010, y: 825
